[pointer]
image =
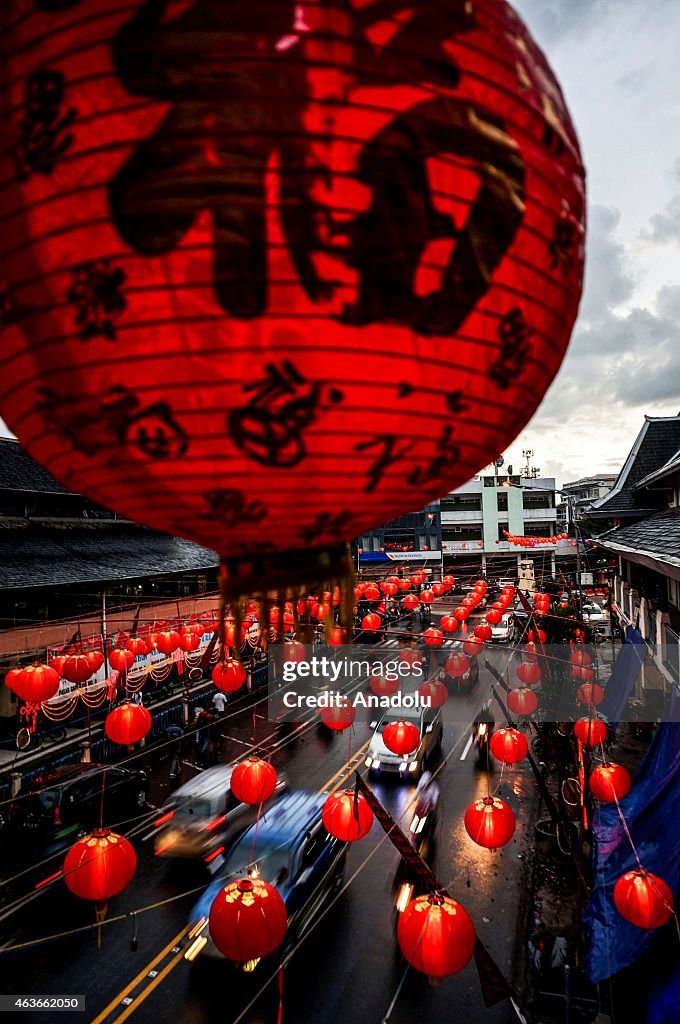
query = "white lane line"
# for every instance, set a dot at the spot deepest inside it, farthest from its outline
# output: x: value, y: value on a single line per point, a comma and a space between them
x: 467, y: 749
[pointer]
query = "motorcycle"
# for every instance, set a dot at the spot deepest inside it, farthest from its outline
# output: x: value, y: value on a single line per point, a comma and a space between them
x: 482, y: 732
x: 421, y: 833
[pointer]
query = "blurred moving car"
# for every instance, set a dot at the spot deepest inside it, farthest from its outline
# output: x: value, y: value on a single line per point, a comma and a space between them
x: 290, y: 849
x: 65, y: 802
x: 503, y: 632
x: 593, y: 614
x: 380, y: 760
x: 421, y: 832
x: 203, y: 816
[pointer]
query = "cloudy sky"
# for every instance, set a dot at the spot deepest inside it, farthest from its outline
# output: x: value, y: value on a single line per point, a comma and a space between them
x: 618, y: 64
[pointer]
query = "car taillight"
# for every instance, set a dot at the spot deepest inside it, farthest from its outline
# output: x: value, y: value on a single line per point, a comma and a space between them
x: 57, y: 815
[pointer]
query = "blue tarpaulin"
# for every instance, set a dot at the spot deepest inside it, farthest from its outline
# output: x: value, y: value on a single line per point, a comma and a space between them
x: 664, y: 1001
x: 625, y: 672
x: 652, y: 811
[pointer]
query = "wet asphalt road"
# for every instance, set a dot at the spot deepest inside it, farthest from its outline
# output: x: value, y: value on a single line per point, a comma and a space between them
x: 348, y: 968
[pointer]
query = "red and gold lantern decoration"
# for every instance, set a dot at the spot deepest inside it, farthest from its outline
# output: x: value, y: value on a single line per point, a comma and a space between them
x: 382, y: 686
x: 528, y: 673
x: 436, y: 935
x: 434, y: 693
x: 490, y: 822
x: 135, y: 645
x: 339, y: 715
x: 590, y: 731
x: 99, y: 865
x: 609, y: 782
x: 401, y: 737
x: 433, y: 637
x: 456, y: 666
x: 411, y: 602
x: 522, y: 701
x: 38, y: 683
x: 253, y: 781
x: 643, y: 899
x: 229, y: 676
x: 15, y: 677
x: 96, y: 660
x: 247, y: 920
x: 120, y: 659
x: 448, y: 623
x: 483, y: 632
x: 76, y: 668
x: 509, y: 745
x: 426, y: 596
x: 590, y: 693
x: 127, y: 724
x: 347, y: 815
x: 371, y: 622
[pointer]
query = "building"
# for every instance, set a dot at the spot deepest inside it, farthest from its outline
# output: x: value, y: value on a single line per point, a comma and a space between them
x: 414, y: 540
x: 642, y: 512
x: 579, y: 495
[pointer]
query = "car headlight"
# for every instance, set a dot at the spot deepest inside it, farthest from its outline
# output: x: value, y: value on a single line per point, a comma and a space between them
x: 403, y: 766
x: 413, y: 765
x: 368, y: 762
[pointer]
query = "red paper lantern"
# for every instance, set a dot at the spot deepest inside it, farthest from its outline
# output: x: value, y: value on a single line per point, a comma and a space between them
x: 509, y: 745
x: 39, y: 684
x: 337, y: 636
x: 436, y: 935
x: 136, y: 645
x: 171, y: 328
x: 456, y: 666
x: 473, y: 646
x: 76, y: 668
x: 247, y: 920
x: 538, y: 636
x: 643, y: 899
x: 590, y: 731
x: 189, y: 641
x: 462, y: 614
x: 167, y: 641
x: 121, y: 659
x: 483, y: 632
x: 528, y: 673
x: 253, y: 781
x: 229, y: 676
x: 438, y: 589
x: 127, y: 724
x: 449, y: 581
x: 409, y: 656
x: 99, y: 865
x: 371, y: 622
x: 609, y: 782
x: 401, y: 737
x: 294, y: 651
x: 372, y: 593
x: 590, y: 693
x: 427, y: 596
x: 435, y: 693
x: 494, y: 616
x: 382, y: 686
x: 96, y: 660
x: 522, y: 701
x: 448, y: 623
x: 339, y: 716
x: 389, y: 589
x: 433, y: 637
x: 347, y: 815
x: 411, y: 602
x: 490, y: 822
x: 15, y: 679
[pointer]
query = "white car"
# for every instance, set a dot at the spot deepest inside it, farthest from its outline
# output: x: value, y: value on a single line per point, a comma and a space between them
x: 381, y: 760
x: 504, y: 631
x: 593, y: 614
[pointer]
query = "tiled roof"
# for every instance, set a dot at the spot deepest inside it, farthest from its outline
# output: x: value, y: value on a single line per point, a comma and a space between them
x: 669, y: 468
x: 42, y: 556
x: 657, y: 442
x: 658, y: 536
x: 18, y: 471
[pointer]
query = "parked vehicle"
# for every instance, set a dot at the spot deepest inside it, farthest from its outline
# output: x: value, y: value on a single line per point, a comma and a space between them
x: 593, y: 614
x: 421, y: 832
x: 504, y: 631
x: 290, y: 849
x: 204, y: 815
x: 74, y: 799
x: 380, y: 760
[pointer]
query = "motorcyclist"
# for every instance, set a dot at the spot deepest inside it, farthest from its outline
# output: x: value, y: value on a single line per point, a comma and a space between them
x: 482, y: 728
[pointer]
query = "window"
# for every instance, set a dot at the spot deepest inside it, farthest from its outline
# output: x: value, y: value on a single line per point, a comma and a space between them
x: 462, y: 503
x: 502, y: 501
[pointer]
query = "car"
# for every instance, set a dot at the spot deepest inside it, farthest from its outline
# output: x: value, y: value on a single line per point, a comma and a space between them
x: 421, y: 834
x: 503, y: 632
x: 203, y: 815
x: 63, y: 803
x: 289, y: 848
x: 380, y: 760
x: 506, y: 581
x: 593, y: 614
x: 466, y: 682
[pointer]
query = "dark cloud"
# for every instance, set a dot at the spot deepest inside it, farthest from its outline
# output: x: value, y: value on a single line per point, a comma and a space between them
x: 664, y: 227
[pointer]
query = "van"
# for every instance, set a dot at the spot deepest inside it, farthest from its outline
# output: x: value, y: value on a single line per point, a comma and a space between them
x: 203, y: 815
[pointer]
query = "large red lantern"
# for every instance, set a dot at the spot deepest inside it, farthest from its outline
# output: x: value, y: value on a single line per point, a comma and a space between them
x: 590, y: 731
x: 253, y: 781
x: 190, y: 243
x: 247, y: 920
x: 401, y: 737
x: 136, y: 645
x: 99, y: 865
x: 189, y: 641
x: 490, y: 822
x: 643, y: 899
x: 448, y: 623
x: 436, y: 935
x: 229, y: 675
x: 371, y: 622
x: 347, y: 815
x: 382, y: 686
x: 433, y: 637
x: 473, y: 646
x: 372, y: 592
x: 522, y: 701
x: 96, y: 660
x: 483, y: 632
x: 411, y: 602
x: 509, y: 745
x: 76, y: 668
x: 590, y: 693
x: 609, y: 782
x: 339, y: 716
x: 167, y: 641
x: 121, y: 659
x: 456, y: 665
x: 529, y: 673
x: 15, y: 678
x: 39, y: 683
x: 434, y: 693
x: 127, y: 724
x: 427, y: 596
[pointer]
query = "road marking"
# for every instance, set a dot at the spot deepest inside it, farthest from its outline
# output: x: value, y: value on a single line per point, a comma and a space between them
x: 145, y: 993
x: 467, y: 749
x: 144, y: 973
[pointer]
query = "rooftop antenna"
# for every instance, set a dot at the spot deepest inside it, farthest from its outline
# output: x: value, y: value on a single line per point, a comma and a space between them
x: 529, y: 472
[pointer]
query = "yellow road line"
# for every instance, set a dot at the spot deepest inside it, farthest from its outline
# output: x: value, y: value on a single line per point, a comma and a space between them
x: 340, y: 774
x: 149, y: 988
x: 138, y: 977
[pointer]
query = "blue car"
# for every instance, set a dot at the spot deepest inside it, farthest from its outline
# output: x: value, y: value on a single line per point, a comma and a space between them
x: 293, y: 852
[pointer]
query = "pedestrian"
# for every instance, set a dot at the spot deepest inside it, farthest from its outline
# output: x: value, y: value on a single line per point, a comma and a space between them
x: 219, y: 702
x: 138, y: 698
